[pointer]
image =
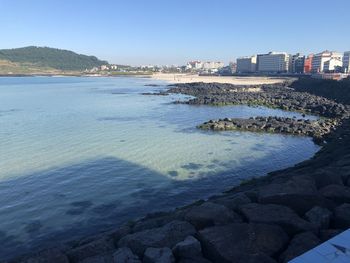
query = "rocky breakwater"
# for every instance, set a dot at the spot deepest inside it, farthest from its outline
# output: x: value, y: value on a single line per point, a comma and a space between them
x: 316, y: 129
x: 272, y: 95
x: 266, y: 220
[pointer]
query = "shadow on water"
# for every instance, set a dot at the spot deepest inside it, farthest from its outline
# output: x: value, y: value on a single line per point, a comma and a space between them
x: 96, y: 195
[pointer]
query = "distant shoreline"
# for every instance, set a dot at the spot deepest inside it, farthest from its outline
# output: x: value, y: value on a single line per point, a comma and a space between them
x: 176, y: 78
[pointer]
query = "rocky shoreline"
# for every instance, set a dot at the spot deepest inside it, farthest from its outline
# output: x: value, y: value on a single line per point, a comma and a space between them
x: 316, y: 129
x: 279, y: 96
x: 266, y: 220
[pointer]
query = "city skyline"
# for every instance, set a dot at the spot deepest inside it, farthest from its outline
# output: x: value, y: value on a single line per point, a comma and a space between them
x: 175, y: 33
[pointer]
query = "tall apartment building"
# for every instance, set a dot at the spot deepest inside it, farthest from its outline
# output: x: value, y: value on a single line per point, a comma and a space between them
x: 274, y: 62
x: 246, y: 64
x: 308, y: 63
x: 346, y: 62
x: 296, y: 63
x: 319, y: 60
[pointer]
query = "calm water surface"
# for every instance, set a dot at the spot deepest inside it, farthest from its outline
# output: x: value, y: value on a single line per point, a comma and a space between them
x: 79, y: 155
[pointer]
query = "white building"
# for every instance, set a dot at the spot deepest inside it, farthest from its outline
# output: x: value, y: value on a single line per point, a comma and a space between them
x: 208, y: 65
x: 196, y: 65
x: 104, y: 67
x: 246, y: 64
x: 346, y: 62
x: 319, y: 60
x: 212, y: 65
x: 333, y: 65
x: 273, y: 62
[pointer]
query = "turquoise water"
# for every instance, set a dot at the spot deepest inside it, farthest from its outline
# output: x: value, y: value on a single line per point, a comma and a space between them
x: 79, y: 155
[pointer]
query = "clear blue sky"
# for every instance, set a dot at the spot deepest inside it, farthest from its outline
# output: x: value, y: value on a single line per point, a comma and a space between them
x: 175, y: 31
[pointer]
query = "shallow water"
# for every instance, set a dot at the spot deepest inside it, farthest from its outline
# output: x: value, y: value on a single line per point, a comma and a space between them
x: 79, y: 155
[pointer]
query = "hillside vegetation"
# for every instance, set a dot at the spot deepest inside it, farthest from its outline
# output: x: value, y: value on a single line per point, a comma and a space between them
x: 49, y: 58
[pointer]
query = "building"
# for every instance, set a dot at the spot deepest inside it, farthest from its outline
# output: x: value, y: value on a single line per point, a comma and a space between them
x: 204, y: 66
x: 273, y: 62
x: 346, y: 62
x: 104, y: 67
x: 308, y: 64
x: 194, y: 65
x: 297, y: 64
x: 212, y: 65
x: 246, y: 64
x: 334, y: 65
x: 320, y: 59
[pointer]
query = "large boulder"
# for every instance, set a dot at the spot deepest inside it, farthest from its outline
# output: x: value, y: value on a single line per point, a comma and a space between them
x: 210, y: 214
x: 337, y: 193
x: 47, y: 256
x: 104, y: 258
x: 319, y: 216
x: 100, y: 246
x: 299, y: 193
x: 326, y: 234
x: 155, y: 220
x: 232, y: 201
x: 241, y: 242
x: 194, y: 260
x: 125, y: 255
x: 189, y: 248
x: 324, y: 177
x: 276, y: 215
x: 158, y: 255
x: 298, y: 245
x: 166, y: 236
x: 342, y: 216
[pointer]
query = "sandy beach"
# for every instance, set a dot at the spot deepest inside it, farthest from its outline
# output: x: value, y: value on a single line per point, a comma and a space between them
x: 189, y: 78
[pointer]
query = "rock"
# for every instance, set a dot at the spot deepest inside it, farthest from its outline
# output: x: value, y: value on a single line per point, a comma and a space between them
x: 120, y: 232
x: 324, y: 177
x: 235, y: 242
x: 209, y: 214
x: 189, y: 248
x: 337, y: 193
x: 166, y: 236
x: 107, y: 258
x: 194, y: 260
x: 155, y: 220
x: 158, y: 255
x: 232, y: 201
x: 47, y: 256
x: 94, y: 248
x: 299, y: 193
x: 326, y: 234
x: 342, y: 216
x: 276, y: 215
x: 319, y: 216
x: 115, y: 234
x: 299, y: 245
x: 125, y: 255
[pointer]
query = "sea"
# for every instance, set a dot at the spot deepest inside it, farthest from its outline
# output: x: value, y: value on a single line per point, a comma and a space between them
x: 81, y: 155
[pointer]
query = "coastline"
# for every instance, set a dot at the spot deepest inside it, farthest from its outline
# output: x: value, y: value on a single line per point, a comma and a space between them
x: 297, y: 192
x: 177, y: 78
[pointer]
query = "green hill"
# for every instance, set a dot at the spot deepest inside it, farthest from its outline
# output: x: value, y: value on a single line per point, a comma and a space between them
x: 45, y: 57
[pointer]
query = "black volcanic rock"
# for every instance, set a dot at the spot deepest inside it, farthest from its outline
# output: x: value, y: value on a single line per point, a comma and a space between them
x: 242, y: 242
x: 276, y: 215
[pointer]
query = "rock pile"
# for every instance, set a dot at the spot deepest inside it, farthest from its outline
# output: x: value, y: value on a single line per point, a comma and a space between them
x: 273, y: 95
x: 316, y: 129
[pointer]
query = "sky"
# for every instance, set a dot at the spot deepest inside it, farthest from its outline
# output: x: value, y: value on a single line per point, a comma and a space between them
x: 141, y: 32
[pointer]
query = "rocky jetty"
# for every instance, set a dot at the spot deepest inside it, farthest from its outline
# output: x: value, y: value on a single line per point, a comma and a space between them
x: 273, y: 95
x: 316, y: 129
x: 266, y: 220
